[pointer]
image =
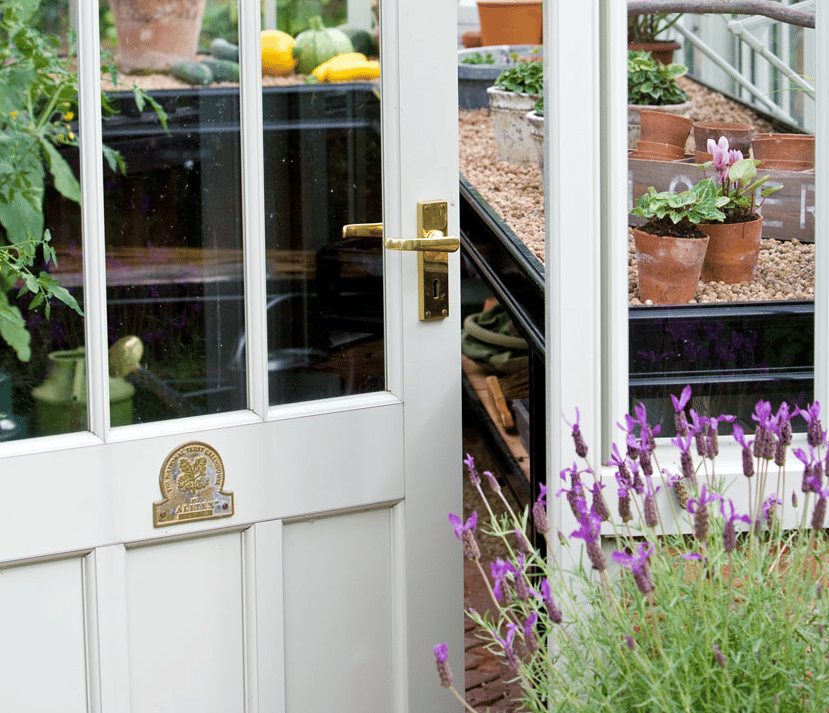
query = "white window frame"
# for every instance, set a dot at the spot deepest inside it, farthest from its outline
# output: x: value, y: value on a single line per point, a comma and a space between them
x: 586, y: 221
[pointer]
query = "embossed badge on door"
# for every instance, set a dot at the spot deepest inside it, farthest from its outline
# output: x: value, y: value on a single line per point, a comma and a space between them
x: 191, y: 481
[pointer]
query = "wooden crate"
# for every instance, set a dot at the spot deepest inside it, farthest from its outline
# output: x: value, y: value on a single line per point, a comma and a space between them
x: 788, y: 213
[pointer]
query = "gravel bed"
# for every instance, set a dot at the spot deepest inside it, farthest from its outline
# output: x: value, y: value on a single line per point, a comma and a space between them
x: 785, y: 269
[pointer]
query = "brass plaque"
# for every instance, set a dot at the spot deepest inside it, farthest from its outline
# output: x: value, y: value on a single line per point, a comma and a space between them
x: 191, y: 481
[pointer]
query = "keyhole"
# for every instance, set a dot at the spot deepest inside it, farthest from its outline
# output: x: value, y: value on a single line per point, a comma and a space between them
x: 435, y: 288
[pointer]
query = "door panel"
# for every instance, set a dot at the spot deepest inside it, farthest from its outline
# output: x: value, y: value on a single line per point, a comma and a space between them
x: 42, y: 615
x: 185, y: 625
x: 338, y: 613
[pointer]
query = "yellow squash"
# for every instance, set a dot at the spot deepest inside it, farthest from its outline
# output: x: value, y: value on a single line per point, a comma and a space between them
x: 277, y: 53
x: 350, y: 67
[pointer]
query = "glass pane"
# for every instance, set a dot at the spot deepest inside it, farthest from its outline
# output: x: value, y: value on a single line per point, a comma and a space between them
x: 322, y: 171
x: 744, y: 329
x: 42, y: 377
x: 173, y: 214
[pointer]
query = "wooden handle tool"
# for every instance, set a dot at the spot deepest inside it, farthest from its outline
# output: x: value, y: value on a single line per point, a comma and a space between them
x: 500, y: 403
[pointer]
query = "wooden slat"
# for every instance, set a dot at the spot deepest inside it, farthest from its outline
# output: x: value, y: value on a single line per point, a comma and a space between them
x: 787, y: 214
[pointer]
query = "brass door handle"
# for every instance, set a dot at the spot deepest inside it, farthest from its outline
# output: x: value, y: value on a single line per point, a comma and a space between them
x: 432, y: 261
x: 432, y: 240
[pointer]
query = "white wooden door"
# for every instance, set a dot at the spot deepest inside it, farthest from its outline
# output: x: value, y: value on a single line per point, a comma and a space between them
x: 331, y: 571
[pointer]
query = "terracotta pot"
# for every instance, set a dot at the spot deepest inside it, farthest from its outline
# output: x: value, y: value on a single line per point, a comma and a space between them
x: 156, y: 34
x: 732, y: 251
x: 670, y: 151
x: 738, y: 135
x: 769, y: 149
x: 510, y: 22
x: 661, y: 51
x: 665, y: 128
x: 668, y: 268
x: 635, y: 117
x: 471, y: 39
x: 650, y: 156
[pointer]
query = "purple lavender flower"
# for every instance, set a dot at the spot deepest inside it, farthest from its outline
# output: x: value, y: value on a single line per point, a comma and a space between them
x: 506, y: 644
x: 815, y: 435
x: 679, y: 410
x: 529, y: 632
x: 630, y: 642
x: 622, y: 471
x: 599, y: 504
x: 819, y: 513
x: 719, y: 656
x: 762, y: 435
x: 711, y: 446
x: 553, y: 612
x: 578, y: 439
x: 522, y: 587
x: 649, y: 507
x: 769, y: 507
x: 639, y: 565
x: 729, y: 535
x: 807, y: 483
x: 540, y: 511
x: 474, y: 478
x: 493, y: 481
x: 685, y: 459
x: 441, y: 659
x: 499, y: 569
x: 523, y: 543
x: 677, y: 483
x: 465, y: 532
x: 784, y: 424
x: 698, y: 508
x: 589, y: 528
x: 748, y: 460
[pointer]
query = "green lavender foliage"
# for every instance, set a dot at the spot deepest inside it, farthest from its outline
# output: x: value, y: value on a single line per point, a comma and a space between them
x: 741, y: 630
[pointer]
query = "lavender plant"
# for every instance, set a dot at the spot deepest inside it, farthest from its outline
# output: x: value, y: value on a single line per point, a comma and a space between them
x: 698, y: 593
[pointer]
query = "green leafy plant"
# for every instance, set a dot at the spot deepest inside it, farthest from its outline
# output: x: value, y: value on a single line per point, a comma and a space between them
x: 38, y: 103
x: 523, y: 78
x: 651, y: 83
x: 695, y: 593
x: 647, y: 28
x: 678, y: 214
x: 478, y: 58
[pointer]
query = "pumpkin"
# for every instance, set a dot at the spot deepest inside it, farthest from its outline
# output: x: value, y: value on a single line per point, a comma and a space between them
x: 319, y: 44
x: 277, y: 53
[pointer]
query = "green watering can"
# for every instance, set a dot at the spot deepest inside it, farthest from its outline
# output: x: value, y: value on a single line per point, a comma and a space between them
x: 60, y: 401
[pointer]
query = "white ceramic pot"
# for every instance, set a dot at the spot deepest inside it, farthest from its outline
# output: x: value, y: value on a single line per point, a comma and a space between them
x: 536, y: 122
x: 512, y: 130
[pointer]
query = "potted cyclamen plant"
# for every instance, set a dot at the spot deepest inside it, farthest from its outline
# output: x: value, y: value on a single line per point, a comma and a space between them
x: 515, y: 93
x: 672, y: 590
x: 670, y: 246
x: 734, y: 242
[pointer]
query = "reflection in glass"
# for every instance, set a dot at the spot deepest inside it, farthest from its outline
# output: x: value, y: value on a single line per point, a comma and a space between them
x: 173, y: 217
x: 38, y: 130
x: 325, y: 293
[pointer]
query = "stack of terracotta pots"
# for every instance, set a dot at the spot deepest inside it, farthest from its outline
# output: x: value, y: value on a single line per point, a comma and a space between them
x: 663, y: 136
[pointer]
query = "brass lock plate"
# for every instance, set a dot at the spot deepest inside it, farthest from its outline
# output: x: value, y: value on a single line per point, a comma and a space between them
x: 433, y: 267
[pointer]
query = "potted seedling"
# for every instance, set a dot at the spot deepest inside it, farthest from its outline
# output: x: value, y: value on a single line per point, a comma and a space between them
x: 670, y: 246
x: 515, y: 93
x: 652, y: 85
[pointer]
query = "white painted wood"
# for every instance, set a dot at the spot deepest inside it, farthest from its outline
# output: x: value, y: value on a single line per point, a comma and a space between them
x: 821, y: 214
x: 337, y: 580
x: 184, y: 612
x: 42, y: 620
x: 196, y: 616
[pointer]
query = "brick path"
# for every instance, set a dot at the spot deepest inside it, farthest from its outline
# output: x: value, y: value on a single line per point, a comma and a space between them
x: 487, y: 680
x: 488, y: 686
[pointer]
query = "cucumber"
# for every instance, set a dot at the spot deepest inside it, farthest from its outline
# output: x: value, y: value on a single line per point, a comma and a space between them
x: 220, y: 48
x: 223, y: 70
x: 192, y: 72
